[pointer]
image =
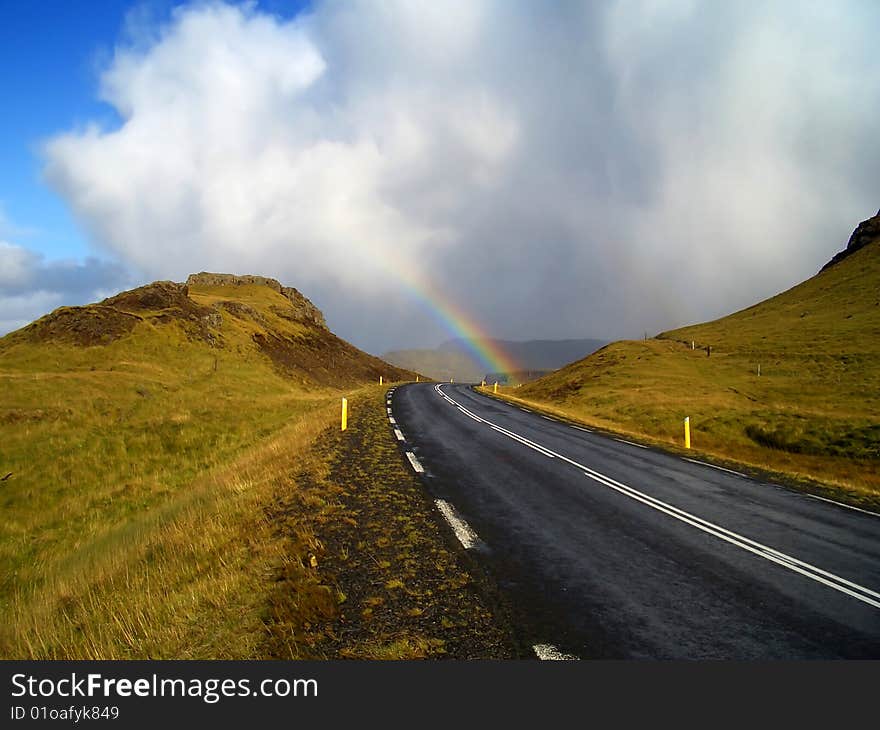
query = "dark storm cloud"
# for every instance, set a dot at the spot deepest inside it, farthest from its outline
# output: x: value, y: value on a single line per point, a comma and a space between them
x: 30, y: 286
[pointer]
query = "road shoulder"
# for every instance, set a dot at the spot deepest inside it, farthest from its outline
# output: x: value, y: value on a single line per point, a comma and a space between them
x: 378, y: 574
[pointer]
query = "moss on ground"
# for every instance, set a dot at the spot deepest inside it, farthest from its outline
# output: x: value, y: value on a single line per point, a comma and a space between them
x: 381, y: 578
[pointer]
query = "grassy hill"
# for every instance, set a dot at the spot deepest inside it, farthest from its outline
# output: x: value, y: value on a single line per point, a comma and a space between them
x: 139, y: 441
x: 811, y: 413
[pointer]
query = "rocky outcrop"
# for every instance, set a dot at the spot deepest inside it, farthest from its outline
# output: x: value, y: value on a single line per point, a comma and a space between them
x: 205, y: 278
x: 303, y: 309
x: 156, y: 296
x: 168, y: 301
x: 866, y: 232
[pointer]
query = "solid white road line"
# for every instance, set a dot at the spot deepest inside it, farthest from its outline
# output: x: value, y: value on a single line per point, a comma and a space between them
x: 631, y: 443
x: 548, y: 652
x: 399, y: 435
x: 838, y: 583
x: 866, y: 595
x: 524, y: 441
x: 463, y: 531
x: 841, y: 504
x: 715, y: 466
x: 470, y: 415
x: 415, y: 462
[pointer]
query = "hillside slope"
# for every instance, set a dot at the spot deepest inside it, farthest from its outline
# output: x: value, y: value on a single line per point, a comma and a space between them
x: 245, y: 317
x: 139, y: 438
x: 812, y: 411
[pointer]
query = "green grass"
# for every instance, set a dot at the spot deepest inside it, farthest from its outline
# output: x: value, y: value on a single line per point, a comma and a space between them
x: 811, y: 414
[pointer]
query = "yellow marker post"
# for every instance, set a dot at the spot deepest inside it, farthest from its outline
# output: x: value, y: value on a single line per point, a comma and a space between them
x: 417, y: 378
x: 687, y: 432
x: 495, y: 387
x: 344, y: 414
x: 380, y: 380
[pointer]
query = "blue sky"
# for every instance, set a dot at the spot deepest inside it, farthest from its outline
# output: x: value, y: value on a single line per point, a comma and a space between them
x: 49, y: 52
x: 620, y: 166
x: 52, y: 53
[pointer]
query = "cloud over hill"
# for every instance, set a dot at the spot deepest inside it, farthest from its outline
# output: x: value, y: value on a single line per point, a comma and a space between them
x: 601, y: 168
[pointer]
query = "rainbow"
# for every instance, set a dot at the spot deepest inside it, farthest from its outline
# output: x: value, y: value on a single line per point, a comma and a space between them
x: 463, y: 326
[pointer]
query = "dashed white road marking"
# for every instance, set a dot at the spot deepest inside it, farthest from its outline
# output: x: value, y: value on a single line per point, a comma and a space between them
x: 392, y: 421
x: 581, y: 428
x: 548, y: 652
x: 399, y: 434
x: 547, y: 418
x: 389, y: 411
x: 631, y: 443
x: 838, y: 583
x: 463, y: 531
x: 841, y: 504
x: 715, y: 466
x: 415, y: 462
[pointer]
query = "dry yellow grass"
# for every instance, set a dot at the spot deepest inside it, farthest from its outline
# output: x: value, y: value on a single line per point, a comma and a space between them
x: 133, y: 524
x: 188, y: 578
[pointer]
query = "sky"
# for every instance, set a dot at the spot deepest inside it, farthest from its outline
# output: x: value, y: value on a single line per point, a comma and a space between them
x: 555, y: 170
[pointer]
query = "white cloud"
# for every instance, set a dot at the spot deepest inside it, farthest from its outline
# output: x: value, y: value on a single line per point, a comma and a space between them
x: 233, y: 153
x: 590, y: 169
x: 15, y: 264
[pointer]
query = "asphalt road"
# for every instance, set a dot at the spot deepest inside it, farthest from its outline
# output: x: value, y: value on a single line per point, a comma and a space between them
x: 608, y: 550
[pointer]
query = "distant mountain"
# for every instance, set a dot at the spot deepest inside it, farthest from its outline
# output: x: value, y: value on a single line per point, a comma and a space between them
x: 454, y: 358
x: 537, y: 354
x: 437, y: 364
